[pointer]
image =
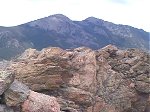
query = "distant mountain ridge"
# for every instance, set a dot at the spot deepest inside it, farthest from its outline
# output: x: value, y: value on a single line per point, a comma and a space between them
x: 59, y: 31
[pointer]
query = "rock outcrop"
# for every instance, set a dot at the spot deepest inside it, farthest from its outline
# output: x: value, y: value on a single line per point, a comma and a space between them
x: 83, y: 80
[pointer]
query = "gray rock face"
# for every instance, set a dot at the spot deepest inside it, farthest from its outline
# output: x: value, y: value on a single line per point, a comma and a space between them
x: 16, y: 94
x: 6, y: 78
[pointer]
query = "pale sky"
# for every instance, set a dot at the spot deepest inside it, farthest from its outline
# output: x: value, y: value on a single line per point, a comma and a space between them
x: 135, y: 13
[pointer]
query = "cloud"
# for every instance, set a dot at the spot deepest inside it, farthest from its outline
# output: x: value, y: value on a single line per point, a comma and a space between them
x: 119, y: 1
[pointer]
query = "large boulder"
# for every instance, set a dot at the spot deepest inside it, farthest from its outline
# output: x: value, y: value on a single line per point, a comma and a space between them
x: 6, y: 78
x: 38, y: 102
x: 44, y: 71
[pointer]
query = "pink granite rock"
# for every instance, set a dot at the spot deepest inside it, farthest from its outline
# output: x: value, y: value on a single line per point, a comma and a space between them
x: 38, y: 102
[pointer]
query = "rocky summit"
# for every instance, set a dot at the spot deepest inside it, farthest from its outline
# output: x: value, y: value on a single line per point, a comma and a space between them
x: 77, y: 80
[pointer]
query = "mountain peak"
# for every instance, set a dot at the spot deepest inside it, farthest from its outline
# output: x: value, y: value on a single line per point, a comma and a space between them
x: 51, y: 22
x: 94, y: 20
x: 59, y: 16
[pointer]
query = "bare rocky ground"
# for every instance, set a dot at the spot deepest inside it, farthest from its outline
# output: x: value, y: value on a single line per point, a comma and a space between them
x: 78, y: 80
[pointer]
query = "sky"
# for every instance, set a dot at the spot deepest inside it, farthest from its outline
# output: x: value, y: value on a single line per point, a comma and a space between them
x: 135, y: 13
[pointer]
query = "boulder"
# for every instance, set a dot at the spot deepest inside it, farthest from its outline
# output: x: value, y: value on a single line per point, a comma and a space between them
x: 16, y: 94
x: 38, y: 102
x: 47, y: 71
